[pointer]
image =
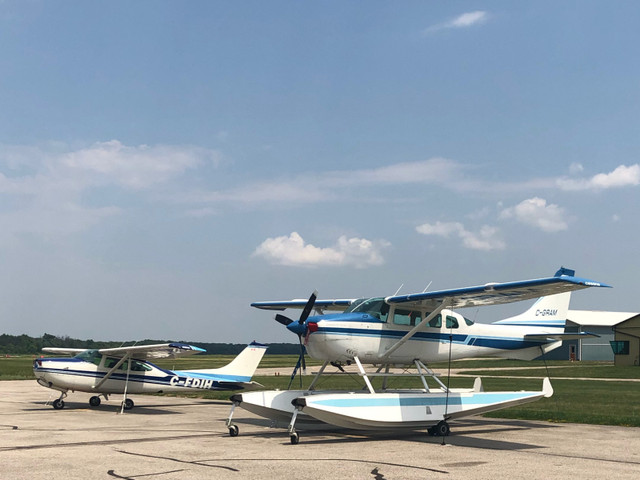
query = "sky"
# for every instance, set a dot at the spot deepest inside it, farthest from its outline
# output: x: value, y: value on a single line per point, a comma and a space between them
x: 164, y: 164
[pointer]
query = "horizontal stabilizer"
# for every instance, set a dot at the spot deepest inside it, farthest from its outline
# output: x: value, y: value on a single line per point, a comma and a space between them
x: 560, y: 336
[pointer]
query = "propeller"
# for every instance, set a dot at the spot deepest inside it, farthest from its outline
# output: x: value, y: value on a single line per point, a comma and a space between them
x: 300, y: 329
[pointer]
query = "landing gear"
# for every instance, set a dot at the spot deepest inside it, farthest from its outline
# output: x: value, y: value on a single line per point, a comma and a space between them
x: 128, y: 404
x: 233, y: 430
x: 94, y: 401
x: 440, y: 430
x: 294, y: 438
x: 58, y: 403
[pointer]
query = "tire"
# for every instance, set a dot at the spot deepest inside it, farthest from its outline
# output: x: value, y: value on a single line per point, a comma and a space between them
x: 58, y: 404
x: 294, y: 438
x: 442, y: 429
x: 94, y: 401
x: 233, y: 430
x: 128, y: 404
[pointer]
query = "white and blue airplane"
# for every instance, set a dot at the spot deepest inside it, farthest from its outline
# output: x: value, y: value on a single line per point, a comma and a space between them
x: 126, y: 370
x: 415, y: 329
x: 401, y: 328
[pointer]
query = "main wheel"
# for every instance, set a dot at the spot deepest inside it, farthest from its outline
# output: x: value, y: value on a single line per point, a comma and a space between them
x: 94, y: 401
x: 58, y: 404
x: 233, y: 430
x: 294, y: 438
x: 128, y: 404
x: 442, y: 429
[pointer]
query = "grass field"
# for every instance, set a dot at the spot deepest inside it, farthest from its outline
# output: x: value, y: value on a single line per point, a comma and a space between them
x: 605, y: 402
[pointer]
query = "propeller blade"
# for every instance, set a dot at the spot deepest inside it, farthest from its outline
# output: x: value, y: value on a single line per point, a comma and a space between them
x: 283, y: 319
x: 304, y: 364
x: 308, y: 307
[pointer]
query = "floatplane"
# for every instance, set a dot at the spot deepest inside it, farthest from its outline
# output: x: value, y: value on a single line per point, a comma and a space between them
x: 414, y: 330
x: 127, y: 370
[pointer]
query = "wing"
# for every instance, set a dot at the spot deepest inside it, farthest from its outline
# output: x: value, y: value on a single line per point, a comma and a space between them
x: 64, y: 351
x: 496, y: 293
x: 161, y: 350
x: 336, y: 305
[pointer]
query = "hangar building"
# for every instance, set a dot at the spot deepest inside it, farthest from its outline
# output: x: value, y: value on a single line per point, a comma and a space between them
x: 618, y: 332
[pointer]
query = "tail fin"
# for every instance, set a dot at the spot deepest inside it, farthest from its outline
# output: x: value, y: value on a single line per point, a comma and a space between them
x: 244, y: 365
x: 548, y: 312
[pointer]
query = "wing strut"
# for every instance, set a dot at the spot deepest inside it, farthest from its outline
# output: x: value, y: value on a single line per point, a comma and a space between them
x: 110, y: 372
x: 126, y: 384
x: 445, y: 302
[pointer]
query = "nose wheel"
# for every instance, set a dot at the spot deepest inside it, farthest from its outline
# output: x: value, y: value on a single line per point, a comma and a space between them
x: 58, y: 404
x: 440, y: 430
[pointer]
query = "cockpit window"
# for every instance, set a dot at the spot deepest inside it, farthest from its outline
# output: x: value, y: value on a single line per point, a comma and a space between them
x: 355, y: 304
x: 467, y: 321
x: 436, y: 322
x: 136, y: 366
x: 91, y: 356
x: 376, y: 307
x: 406, y: 317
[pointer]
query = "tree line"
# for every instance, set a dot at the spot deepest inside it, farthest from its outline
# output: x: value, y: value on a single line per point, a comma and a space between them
x: 26, y: 345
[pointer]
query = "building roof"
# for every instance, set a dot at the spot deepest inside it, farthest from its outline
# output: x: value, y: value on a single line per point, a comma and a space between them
x: 596, y: 318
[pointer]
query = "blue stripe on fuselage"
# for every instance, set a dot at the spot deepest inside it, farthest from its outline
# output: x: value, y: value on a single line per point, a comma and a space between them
x: 500, y: 343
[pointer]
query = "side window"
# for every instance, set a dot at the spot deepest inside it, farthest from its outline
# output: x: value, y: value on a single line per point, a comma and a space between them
x: 452, y: 322
x: 137, y: 366
x: 111, y: 362
x: 436, y: 322
x: 406, y: 317
x: 384, y: 312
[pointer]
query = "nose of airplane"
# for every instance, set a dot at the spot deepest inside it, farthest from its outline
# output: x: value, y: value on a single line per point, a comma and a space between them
x: 297, y: 328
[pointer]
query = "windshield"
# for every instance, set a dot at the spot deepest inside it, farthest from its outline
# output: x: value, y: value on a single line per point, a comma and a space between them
x: 375, y: 307
x: 91, y: 356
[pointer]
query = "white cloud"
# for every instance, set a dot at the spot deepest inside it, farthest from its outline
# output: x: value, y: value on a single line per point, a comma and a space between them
x: 576, y: 168
x: 45, y: 189
x: 486, y: 239
x: 136, y: 167
x: 293, y: 251
x: 461, y: 21
x: 330, y: 186
x: 536, y: 213
x: 622, y: 176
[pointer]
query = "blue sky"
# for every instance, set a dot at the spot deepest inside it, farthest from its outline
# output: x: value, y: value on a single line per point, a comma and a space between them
x: 164, y: 164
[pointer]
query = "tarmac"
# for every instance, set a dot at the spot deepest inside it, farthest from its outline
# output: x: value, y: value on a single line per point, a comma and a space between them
x: 170, y: 438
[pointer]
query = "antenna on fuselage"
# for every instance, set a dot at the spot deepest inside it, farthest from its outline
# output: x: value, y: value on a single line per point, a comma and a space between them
x: 427, y: 287
x: 398, y: 290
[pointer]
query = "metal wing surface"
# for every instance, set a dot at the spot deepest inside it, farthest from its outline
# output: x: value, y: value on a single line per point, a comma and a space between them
x: 336, y: 305
x: 494, y: 293
x: 161, y: 350
x: 64, y: 351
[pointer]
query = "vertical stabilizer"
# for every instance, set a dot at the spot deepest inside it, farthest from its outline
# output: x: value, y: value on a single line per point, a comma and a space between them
x: 549, y: 312
x: 244, y: 365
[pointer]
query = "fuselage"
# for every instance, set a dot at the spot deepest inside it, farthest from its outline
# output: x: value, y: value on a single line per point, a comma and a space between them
x: 370, y: 329
x: 85, y: 371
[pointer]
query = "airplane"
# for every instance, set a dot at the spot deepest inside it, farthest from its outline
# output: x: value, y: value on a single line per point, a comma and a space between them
x: 414, y: 329
x: 125, y: 370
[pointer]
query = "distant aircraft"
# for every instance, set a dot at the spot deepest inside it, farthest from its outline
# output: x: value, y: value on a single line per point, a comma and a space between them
x: 415, y: 329
x: 126, y: 370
